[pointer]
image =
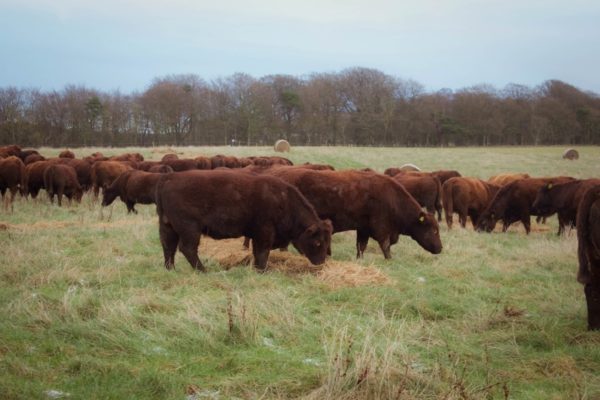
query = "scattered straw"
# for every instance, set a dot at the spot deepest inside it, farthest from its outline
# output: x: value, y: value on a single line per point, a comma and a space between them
x: 230, y: 253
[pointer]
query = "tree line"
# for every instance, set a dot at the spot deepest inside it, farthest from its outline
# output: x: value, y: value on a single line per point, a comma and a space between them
x: 357, y: 106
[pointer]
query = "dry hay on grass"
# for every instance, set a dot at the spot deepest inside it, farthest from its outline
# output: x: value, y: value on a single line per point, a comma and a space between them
x: 165, y: 150
x: 230, y: 253
x: 50, y: 225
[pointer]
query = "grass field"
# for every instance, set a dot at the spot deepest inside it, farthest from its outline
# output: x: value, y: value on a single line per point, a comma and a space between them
x: 87, y: 310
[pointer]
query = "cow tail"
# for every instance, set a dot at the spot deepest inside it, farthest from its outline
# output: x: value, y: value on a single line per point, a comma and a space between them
x: 24, y: 181
x: 447, y: 201
x: 583, y: 211
x: 157, y: 195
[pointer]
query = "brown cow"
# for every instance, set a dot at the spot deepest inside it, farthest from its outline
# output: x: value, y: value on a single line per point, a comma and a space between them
x: 30, y: 159
x: 132, y: 157
x: 83, y: 169
x: 468, y: 197
x: 23, y: 154
x: 224, y: 161
x: 66, y: 154
x: 444, y: 175
x: 61, y: 179
x: 372, y: 204
x: 588, y: 252
x: 12, y: 171
x: 426, y: 189
x: 146, y: 165
x: 229, y: 204
x: 563, y: 199
x: 513, y: 203
x: 105, y: 172
x: 33, y: 179
x: 161, y: 169
x: 10, y: 150
x: 169, y: 157
x: 185, y: 164
x: 203, y: 162
x: 132, y: 187
x: 505, y: 179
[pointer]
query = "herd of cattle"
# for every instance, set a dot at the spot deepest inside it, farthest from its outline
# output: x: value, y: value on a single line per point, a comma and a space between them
x: 274, y: 203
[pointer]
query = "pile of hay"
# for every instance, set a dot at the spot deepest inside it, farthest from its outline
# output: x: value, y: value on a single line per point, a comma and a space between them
x: 282, y: 146
x: 570, y: 154
x: 230, y: 253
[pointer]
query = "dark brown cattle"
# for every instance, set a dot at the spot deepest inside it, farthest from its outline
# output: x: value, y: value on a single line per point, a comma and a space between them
x: 505, y: 179
x: 61, y: 179
x: 244, y: 162
x: 132, y: 187
x: 563, y: 199
x: 10, y: 150
x: 30, y: 159
x: 83, y: 169
x: 426, y: 189
x: 160, y: 169
x: 514, y: 202
x: 105, y: 172
x: 132, y: 157
x: 230, y: 204
x: 12, y: 172
x: 588, y: 252
x: 66, y: 154
x: 97, y: 156
x: 34, y: 177
x: 146, y: 165
x: 468, y: 197
x: 224, y: 161
x: 23, y: 154
x: 185, y: 164
x: 372, y: 204
x: 444, y: 175
x: 203, y: 162
x: 267, y: 161
x: 316, y: 167
x: 169, y: 157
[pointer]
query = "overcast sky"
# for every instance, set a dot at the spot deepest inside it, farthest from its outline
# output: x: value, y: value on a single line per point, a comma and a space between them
x: 124, y: 44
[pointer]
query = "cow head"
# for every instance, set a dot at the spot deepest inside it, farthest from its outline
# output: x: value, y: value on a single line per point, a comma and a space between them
x: 426, y: 231
x: 542, y: 205
x: 110, y: 194
x: 315, y: 241
x: 487, y: 221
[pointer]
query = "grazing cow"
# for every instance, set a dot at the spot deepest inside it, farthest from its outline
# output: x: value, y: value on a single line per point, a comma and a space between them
x: 244, y: 162
x: 169, y: 157
x: 131, y: 157
x: 444, y: 175
x: 146, y: 165
x: 513, y: 203
x: 132, y: 187
x: 12, y: 171
x: 10, y: 150
x: 23, y: 154
x: 105, y: 172
x: 505, y: 179
x: 426, y: 189
x: 563, y: 199
x: 203, y: 162
x: 66, y: 154
x: 161, y: 169
x: 33, y: 180
x: 224, y: 161
x: 374, y: 205
x: 230, y: 204
x: 468, y: 197
x: 185, y: 164
x: 83, y: 169
x: 61, y: 179
x: 588, y: 252
x: 97, y: 156
x: 31, y: 158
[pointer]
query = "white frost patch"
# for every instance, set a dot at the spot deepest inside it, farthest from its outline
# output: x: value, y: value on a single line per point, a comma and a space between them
x: 312, y: 361
x: 205, y: 394
x: 269, y: 342
x: 56, y: 394
x: 421, y: 279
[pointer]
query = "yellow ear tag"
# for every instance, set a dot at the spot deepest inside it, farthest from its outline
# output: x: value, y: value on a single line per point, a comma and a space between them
x: 549, y: 186
x: 421, y: 218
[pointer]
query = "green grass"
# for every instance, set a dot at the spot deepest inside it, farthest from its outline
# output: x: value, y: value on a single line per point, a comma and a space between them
x: 86, y: 307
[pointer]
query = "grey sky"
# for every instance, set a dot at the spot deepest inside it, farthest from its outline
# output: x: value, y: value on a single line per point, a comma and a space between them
x: 124, y: 44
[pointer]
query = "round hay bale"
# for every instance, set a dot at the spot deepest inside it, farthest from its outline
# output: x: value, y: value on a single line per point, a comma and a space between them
x: 410, y: 167
x: 570, y: 154
x: 282, y: 146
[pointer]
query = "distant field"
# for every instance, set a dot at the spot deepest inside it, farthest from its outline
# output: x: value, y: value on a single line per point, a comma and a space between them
x: 87, y: 308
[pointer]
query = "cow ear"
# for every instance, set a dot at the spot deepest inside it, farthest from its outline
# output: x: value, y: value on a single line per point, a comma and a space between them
x: 328, y: 224
x: 311, y: 230
x: 422, y: 218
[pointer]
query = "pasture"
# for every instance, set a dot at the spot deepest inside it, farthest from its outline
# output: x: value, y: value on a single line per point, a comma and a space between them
x: 87, y: 309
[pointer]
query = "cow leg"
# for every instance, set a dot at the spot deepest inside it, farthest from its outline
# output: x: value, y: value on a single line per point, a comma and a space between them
x: 246, y: 242
x: 384, y: 244
x: 96, y: 189
x: 261, y: 246
x: 60, y: 195
x: 130, y: 207
x: 462, y: 218
x: 362, y: 238
x: 449, y: 217
x: 592, y: 297
x: 169, y: 239
x: 188, y: 245
x: 526, y: 220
